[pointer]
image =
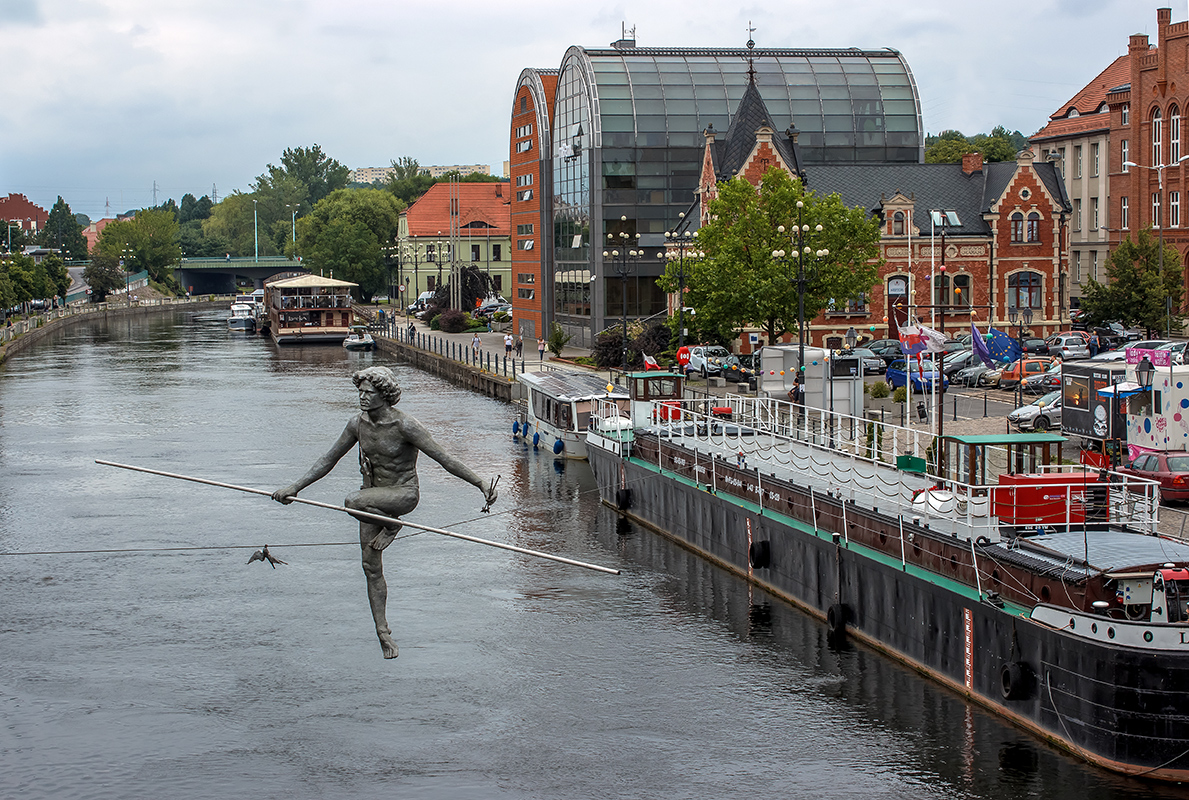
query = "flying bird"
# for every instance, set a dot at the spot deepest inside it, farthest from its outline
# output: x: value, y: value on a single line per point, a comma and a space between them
x: 264, y: 555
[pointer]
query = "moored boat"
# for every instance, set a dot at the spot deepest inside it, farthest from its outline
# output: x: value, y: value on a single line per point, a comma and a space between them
x: 309, y: 308
x: 243, y: 318
x: 558, y: 410
x: 359, y: 339
x: 1038, y: 590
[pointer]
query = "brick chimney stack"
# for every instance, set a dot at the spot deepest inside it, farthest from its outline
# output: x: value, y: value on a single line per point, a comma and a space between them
x: 971, y: 163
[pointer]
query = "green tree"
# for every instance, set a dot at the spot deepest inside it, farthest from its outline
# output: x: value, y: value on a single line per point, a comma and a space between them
x: 18, y: 275
x: 1137, y: 293
x: 57, y: 276
x: 407, y: 181
x: 949, y: 146
x: 63, y: 231
x: 345, y: 234
x: 156, y: 244
x: 740, y: 282
x: 231, y: 221
x: 305, y: 171
x: 193, y: 208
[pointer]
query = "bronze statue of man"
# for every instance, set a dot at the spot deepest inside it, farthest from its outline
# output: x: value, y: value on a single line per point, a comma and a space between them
x: 389, y: 441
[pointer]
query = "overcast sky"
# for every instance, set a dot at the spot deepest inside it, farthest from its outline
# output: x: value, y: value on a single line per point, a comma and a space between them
x: 103, y: 97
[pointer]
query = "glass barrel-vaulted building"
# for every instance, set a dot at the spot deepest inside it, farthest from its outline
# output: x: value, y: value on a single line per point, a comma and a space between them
x: 628, y: 141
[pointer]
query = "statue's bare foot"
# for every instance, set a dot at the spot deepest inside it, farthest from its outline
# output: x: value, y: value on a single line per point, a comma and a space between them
x: 388, y: 646
x: 383, y: 539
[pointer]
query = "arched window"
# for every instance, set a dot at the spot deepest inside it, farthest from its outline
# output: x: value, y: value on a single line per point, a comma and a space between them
x: 1017, y: 227
x: 941, y: 289
x: 1157, y: 139
x: 898, y: 223
x: 1033, y: 227
x: 1023, y: 290
x: 962, y: 294
x: 1174, y: 134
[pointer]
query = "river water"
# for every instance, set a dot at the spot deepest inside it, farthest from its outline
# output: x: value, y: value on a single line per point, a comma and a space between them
x: 144, y: 672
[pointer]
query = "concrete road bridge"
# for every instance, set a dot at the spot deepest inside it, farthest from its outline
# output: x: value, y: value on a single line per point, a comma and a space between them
x: 218, y: 275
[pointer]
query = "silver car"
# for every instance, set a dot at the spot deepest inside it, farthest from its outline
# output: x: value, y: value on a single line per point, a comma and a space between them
x: 1039, y: 415
x: 1069, y: 346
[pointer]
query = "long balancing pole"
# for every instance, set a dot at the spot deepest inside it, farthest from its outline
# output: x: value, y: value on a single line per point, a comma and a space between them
x: 367, y: 515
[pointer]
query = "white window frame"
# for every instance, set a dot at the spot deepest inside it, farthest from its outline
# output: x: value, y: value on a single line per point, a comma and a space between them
x: 1124, y: 216
x: 1174, y: 209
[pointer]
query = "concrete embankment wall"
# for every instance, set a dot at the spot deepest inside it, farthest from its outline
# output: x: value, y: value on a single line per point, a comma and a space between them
x: 458, y: 373
x: 32, y: 330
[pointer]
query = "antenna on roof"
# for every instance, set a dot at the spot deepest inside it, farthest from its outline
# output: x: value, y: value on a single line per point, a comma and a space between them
x: 627, y: 38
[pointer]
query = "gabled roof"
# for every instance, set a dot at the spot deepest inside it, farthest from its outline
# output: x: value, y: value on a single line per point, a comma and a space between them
x: 310, y: 281
x: 751, y: 114
x: 477, y: 202
x: 1085, y: 104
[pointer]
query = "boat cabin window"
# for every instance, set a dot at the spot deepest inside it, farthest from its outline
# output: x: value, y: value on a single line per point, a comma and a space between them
x: 667, y: 388
x: 1175, y: 586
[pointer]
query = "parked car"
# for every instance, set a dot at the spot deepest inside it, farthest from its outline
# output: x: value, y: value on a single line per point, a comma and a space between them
x: 872, y: 364
x: 887, y: 349
x: 733, y: 369
x: 902, y: 372
x: 1170, y: 469
x: 1068, y: 346
x: 1045, y: 382
x: 956, y: 362
x: 1018, y: 370
x: 1039, y: 415
x: 991, y: 377
x: 1178, y: 351
x: 972, y: 375
x: 420, y: 303
x: 1035, y: 346
x: 706, y: 359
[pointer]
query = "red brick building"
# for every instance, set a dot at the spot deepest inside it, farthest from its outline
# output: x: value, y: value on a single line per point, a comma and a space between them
x: 530, y: 158
x: 1146, y: 116
x: 1004, y: 248
x: 17, y: 209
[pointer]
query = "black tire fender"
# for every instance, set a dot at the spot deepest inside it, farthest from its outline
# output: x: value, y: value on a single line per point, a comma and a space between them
x: 1015, y: 681
x: 623, y: 499
x: 836, y: 618
x: 759, y: 555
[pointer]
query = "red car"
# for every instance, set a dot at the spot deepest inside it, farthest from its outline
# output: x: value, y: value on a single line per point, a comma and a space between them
x: 1170, y: 469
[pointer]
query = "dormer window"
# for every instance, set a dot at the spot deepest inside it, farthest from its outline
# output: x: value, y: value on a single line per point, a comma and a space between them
x: 898, y: 223
x: 1073, y: 112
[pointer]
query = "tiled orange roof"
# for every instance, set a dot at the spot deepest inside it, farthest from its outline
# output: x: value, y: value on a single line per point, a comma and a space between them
x: 1087, y: 103
x: 477, y: 202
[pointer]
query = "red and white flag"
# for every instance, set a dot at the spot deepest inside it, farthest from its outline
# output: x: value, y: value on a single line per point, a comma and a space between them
x: 649, y: 362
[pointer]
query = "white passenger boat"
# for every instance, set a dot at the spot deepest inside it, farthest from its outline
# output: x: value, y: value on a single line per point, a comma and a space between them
x: 559, y: 407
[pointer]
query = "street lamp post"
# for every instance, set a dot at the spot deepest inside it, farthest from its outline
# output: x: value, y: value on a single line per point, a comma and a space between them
x: 624, y: 264
x: 1020, y: 318
x: 800, y: 253
x: 293, y: 225
x: 1160, y: 168
x: 256, y: 232
x: 681, y: 241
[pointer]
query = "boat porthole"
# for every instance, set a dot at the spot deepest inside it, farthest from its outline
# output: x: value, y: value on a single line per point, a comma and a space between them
x: 954, y: 563
x: 995, y: 575
x: 1093, y: 627
x: 883, y: 538
x: 1045, y: 594
x: 1147, y: 636
x: 1110, y: 632
x: 916, y: 548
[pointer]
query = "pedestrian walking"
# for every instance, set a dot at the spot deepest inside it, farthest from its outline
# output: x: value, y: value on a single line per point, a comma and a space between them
x: 1093, y: 344
x: 541, y: 350
x: 475, y: 344
x: 507, y: 344
x: 520, y: 346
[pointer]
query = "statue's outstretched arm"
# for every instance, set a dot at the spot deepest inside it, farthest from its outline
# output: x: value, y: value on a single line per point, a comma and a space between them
x: 323, y: 465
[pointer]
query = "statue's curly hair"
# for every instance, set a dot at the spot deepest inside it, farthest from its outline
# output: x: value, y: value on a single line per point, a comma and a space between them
x: 381, y: 378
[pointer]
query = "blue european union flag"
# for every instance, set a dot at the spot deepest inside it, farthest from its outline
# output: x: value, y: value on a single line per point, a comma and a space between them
x: 1003, y: 348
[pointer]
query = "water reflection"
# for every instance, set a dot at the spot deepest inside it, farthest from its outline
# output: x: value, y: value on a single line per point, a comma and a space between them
x: 149, y: 674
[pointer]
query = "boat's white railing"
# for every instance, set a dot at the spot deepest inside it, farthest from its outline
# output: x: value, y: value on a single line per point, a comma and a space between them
x: 847, y: 461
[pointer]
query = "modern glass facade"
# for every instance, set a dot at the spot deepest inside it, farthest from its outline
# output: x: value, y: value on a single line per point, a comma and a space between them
x: 628, y: 142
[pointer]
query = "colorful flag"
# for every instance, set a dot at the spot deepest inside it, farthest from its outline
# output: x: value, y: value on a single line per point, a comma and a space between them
x: 979, y: 345
x: 912, y: 341
x: 649, y: 362
x: 1003, y: 348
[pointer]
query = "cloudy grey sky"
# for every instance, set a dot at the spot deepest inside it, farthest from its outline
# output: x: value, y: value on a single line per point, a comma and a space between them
x: 104, y: 97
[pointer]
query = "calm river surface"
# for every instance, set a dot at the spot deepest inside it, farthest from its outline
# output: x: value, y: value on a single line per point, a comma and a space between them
x: 132, y: 673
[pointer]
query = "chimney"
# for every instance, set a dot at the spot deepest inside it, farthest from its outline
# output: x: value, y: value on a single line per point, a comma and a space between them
x: 971, y: 163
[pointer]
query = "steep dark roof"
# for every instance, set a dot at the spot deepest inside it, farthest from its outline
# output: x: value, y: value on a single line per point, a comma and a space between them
x: 734, y: 148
